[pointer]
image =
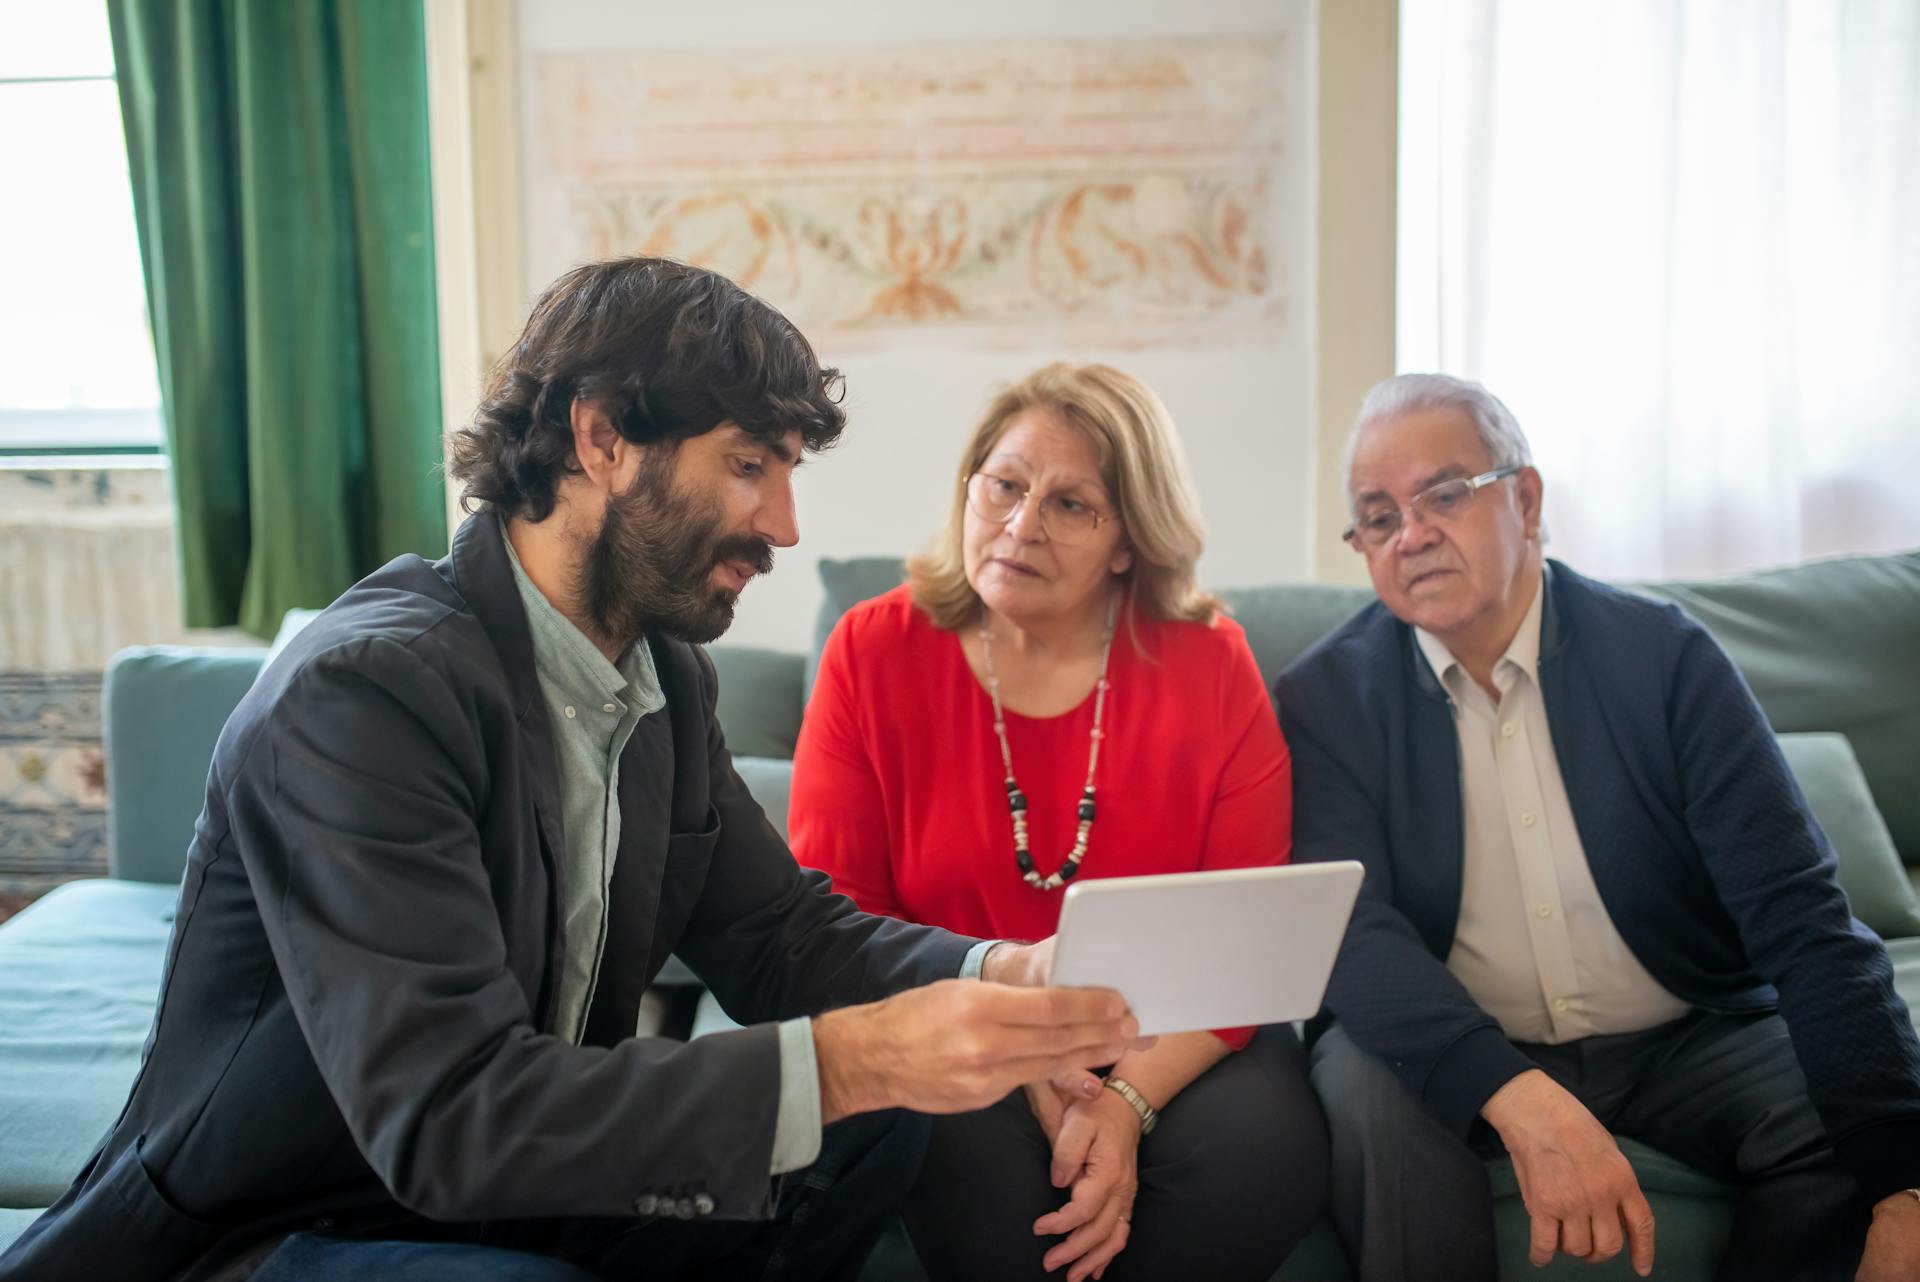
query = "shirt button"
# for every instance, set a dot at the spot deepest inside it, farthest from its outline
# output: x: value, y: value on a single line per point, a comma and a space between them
x: 606, y: 707
x: 1560, y: 1003
x: 1507, y: 729
x: 1526, y: 819
x: 569, y: 711
x: 1545, y: 910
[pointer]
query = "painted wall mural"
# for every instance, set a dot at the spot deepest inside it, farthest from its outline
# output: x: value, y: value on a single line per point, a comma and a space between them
x: 1112, y: 191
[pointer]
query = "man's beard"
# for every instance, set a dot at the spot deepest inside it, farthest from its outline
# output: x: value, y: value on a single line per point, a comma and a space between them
x: 651, y: 566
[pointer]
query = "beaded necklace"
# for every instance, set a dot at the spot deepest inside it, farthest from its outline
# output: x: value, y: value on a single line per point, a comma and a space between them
x: 1017, y: 800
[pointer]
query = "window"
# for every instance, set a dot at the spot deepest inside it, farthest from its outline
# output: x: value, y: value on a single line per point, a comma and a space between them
x: 77, y: 368
x: 1679, y: 241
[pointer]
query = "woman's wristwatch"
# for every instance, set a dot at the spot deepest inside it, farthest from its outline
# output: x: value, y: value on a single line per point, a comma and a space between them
x: 1149, y: 1115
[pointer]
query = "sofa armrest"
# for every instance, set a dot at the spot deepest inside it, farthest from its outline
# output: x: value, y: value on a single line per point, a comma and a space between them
x: 162, y: 709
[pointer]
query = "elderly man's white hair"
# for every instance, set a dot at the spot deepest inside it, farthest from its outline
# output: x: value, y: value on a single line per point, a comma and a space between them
x: 1419, y: 393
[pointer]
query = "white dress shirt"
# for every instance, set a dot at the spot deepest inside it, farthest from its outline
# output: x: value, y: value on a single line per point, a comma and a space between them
x: 1534, y: 945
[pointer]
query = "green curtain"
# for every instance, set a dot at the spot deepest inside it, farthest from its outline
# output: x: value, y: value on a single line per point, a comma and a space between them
x: 278, y: 151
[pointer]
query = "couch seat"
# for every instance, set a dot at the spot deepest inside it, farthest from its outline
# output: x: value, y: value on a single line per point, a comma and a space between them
x: 83, y: 974
x: 13, y: 1222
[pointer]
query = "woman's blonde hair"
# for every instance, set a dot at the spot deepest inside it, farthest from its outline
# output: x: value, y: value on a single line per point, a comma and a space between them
x: 1142, y: 466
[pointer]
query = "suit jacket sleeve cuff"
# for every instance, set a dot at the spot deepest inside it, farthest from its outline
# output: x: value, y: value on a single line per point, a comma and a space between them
x: 1884, y: 1158
x: 796, y: 1127
x: 976, y: 959
x: 1467, y: 1074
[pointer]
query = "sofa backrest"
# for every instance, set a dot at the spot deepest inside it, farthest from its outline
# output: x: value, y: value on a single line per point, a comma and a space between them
x: 1831, y: 645
x: 760, y: 699
x: 162, y: 709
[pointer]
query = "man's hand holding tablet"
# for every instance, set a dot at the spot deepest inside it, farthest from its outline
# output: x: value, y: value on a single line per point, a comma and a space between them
x: 959, y: 1045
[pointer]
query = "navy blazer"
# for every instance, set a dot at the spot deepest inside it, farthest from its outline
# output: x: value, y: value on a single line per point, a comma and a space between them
x: 1701, y: 846
x: 353, y: 1028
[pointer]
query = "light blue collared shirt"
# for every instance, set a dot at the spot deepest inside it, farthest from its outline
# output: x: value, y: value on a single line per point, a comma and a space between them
x: 594, y: 706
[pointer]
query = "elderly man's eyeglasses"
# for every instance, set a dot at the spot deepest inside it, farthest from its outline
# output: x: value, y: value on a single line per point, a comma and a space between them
x: 1447, y: 501
x: 1064, y: 518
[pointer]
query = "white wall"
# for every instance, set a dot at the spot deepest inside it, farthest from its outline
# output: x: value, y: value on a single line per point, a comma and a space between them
x: 1244, y: 406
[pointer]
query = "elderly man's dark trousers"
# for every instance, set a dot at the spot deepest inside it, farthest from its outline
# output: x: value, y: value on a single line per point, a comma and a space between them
x: 1722, y: 1093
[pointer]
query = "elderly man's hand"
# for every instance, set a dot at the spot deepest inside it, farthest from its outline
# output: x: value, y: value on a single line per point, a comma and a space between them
x: 1893, y: 1242
x: 1577, y: 1186
x: 961, y: 1045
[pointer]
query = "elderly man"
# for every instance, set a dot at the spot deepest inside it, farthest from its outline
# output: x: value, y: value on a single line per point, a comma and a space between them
x: 1595, y: 902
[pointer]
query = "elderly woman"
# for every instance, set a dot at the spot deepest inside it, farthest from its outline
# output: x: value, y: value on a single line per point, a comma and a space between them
x: 1051, y: 695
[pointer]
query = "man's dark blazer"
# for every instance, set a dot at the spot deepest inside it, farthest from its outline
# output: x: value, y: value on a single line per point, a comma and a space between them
x: 352, y: 1021
x: 1702, y: 848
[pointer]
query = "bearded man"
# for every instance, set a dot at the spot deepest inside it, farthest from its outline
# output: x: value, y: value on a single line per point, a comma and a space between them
x: 458, y: 826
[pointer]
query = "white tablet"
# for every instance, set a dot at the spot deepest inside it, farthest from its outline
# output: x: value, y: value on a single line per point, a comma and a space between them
x: 1204, y: 950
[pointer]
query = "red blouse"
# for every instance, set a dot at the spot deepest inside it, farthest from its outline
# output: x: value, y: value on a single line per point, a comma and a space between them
x: 899, y: 793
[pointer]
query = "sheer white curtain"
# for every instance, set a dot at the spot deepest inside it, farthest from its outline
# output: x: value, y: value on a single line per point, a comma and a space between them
x: 1682, y: 240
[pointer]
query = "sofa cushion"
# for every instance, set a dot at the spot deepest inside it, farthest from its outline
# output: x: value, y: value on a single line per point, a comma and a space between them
x: 1830, y: 646
x: 1906, y: 974
x: 769, y: 779
x: 1825, y: 646
x: 1870, y: 870
x: 13, y: 1222
x: 846, y: 584
x: 163, y: 709
x: 759, y: 704
x: 82, y: 968
x: 1282, y: 620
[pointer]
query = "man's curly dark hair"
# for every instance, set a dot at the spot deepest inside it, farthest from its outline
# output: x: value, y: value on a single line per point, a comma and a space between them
x: 666, y: 350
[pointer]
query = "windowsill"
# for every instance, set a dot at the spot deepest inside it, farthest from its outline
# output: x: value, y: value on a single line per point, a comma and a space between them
x: 148, y: 461
x: 82, y: 431
x: 101, y: 492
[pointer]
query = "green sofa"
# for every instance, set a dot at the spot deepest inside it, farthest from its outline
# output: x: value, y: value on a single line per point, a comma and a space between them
x: 1832, y: 649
